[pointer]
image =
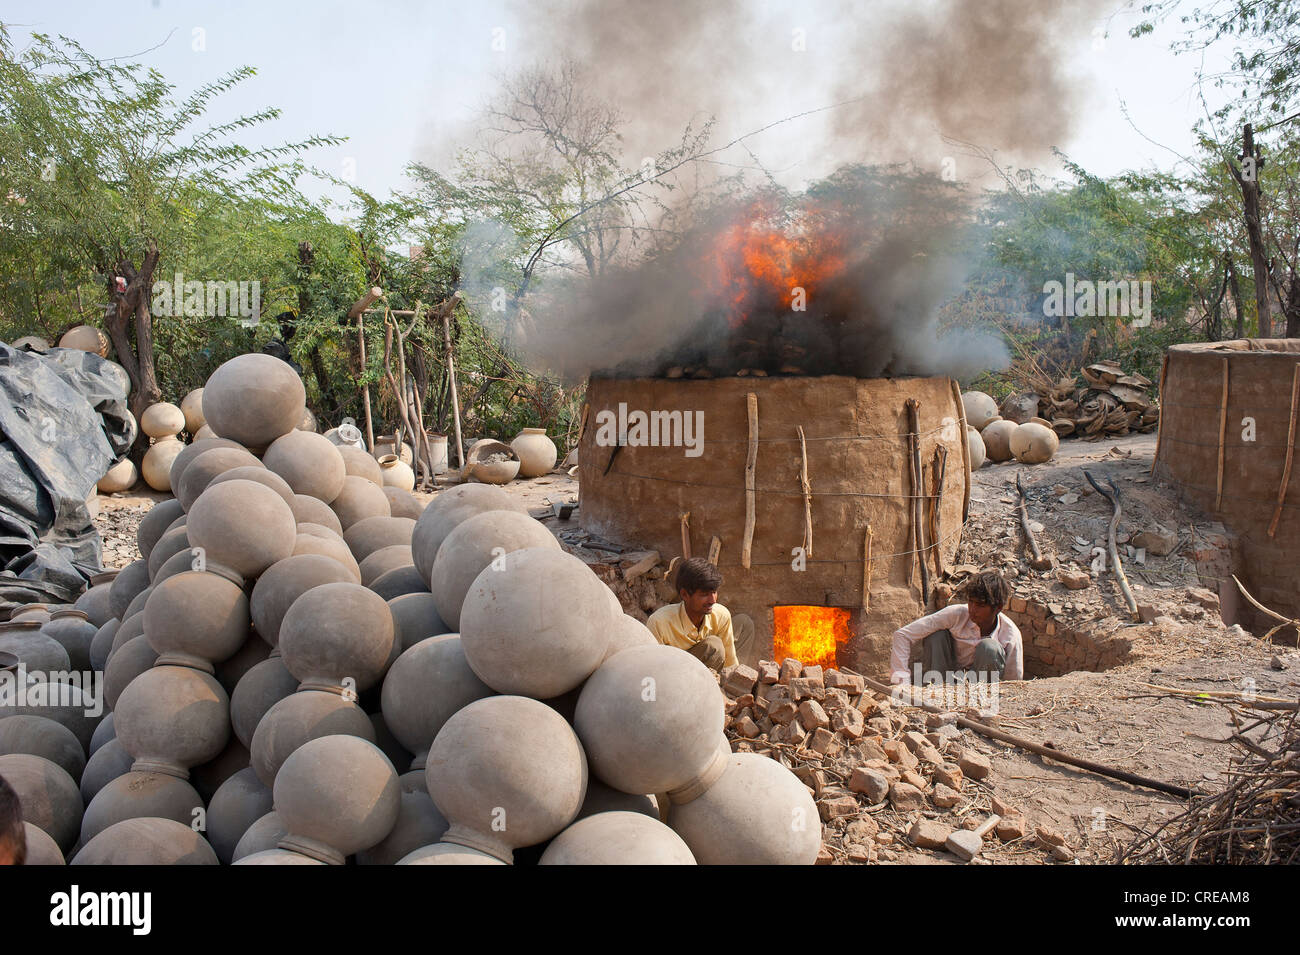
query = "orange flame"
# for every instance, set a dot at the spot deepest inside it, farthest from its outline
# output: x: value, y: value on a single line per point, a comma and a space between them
x: 811, y: 635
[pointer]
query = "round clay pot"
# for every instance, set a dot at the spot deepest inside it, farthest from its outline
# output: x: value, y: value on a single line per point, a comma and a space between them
x: 309, y: 510
x: 978, y: 453
x: 198, y: 446
x: 231, y: 670
x: 72, y: 630
x: 103, y: 733
x: 36, y: 652
x: 445, y: 853
x: 150, y: 841
x: 105, y: 764
x: 627, y: 632
x: 194, y: 619
x: 415, y: 617
x: 537, y: 626
x: 397, y: 754
x: 192, y: 409
x: 85, y: 338
x: 331, y: 546
x: 359, y: 464
x: 345, y: 435
x: 337, y: 632
x: 383, y: 560
x: 479, y: 543
x: 298, y: 718
x: 309, y: 463
x: 284, y: 582
x: 120, y: 477
x: 207, y: 778
x: 537, y: 453
x: 130, y: 628
x: 30, y: 613
x: 263, y: 686
x: 41, y: 849
x: 367, y: 536
x: 261, y: 836
x: 448, y: 510
x: 511, y: 760
x: 495, y: 472
x: 617, y: 838
x: 419, y: 824
x: 259, y: 475
x: 179, y: 563
x: 980, y: 409
x: 41, y: 736
x: 162, y: 420
x: 155, y: 524
x: 208, y: 465
x: 757, y: 813
x: 308, y: 422
x: 254, y: 399
x: 240, y: 802
x: 1033, y: 444
x: 997, y: 440
x: 94, y: 604
x: 134, y: 657
x: 384, y: 447
x: 103, y: 644
x: 205, y: 433
x: 62, y: 700
x: 278, y: 857
x: 658, y: 742
x: 398, y: 582
x: 396, y: 473
x: 33, y: 342
x: 403, y: 503
x: 424, y: 688
x: 175, y: 541
x: 602, y: 798
x: 171, y: 718
x: 337, y: 795
x: 358, y: 500
x: 138, y: 604
x: 242, y: 526
x: 49, y: 797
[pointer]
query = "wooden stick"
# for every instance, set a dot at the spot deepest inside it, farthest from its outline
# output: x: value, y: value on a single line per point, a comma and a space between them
x: 715, y: 550
x: 751, y: 462
x: 685, y: 519
x: 866, y: 570
x: 939, y: 470
x: 1036, y: 559
x: 914, y: 443
x: 1290, y: 451
x: 1223, y: 434
x: 807, y: 496
x: 1286, y: 622
x: 365, y: 301
x: 451, y: 377
x: 964, y: 439
x: 1112, y: 495
x: 1230, y: 695
x: 1160, y: 422
x: 365, y: 389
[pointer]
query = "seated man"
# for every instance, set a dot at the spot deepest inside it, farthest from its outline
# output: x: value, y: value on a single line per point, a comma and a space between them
x: 974, y: 636
x: 699, y: 624
x: 13, y: 837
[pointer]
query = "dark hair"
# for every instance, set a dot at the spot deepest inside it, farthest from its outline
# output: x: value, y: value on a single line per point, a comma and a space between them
x: 698, y: 574
x: 12, y: 834
x: 988, y: 587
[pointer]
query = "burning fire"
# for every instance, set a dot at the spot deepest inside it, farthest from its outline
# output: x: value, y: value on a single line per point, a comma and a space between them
x: 809, y: 634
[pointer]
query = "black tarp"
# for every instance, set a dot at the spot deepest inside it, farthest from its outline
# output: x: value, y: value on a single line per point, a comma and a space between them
x: 63, y: 422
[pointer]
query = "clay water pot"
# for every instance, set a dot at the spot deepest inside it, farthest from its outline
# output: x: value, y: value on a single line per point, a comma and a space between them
x: 85, y: 338
x: 171, y: 718
x: 260, y: 475
x: 397, y: 754
x: 208, y: 465
x: 415, y: 617
x: 980, y: 408
x: 309, y: 463
x: 978, y: 454
x: 30, y: 613
x: 358, y: 500
x: 138, y: 604
x: 129, y: 629
x: 149, y: 841
x: 254, y: 399
x: 345, y: 434
x: 448, y: 510
x: 309, y: 510
x: 384, y: 447
x: 367, y: 536
x: 477, y: 543
x: 41, y: 736
x: 602, y: 798
x: 424, y: 688
x: 72, y: 630
x: 402, y: 503
x: 154, y: 525
x: 298, y: 718
x: 199, y: 445
x: 506, y: 759
x: 33, y: 342
x: 1033, y: 444
x: 278, y: 857
x: 494, y: 472
x: 538, y: 626
x: 208, y: 777
x: 94, y: 604
x: 192, y: 409
x: 398, y: 582
x: 419, y: 824
x: 41, y: 849
x: 337, y: 795
x: 757, y: 813
x: 331, y: 546
x: 195, y: 618
x: 133, y: 578
x: 240, y: 802
x: 120, y: 477
x: 446, y: 853
x: 617, y: 838
x: 396, y: 473
x: 105, y: 765
x: 284, y: 582
x: 627, y: 632
x: 658, y: 742
x: 49, y: 797
x: 63, y: 700
x: 337, y: 632
x: 265, y: 685
x: 231, y: 670
x: 537, y: 453
x: 134, y: 657
x: 383, y: 560
x: 36, y: 652
x: 357, y: 463
x: 261, y: 836
x: 243, y: 527
x: 162, y: 420
x: 103, y: 733
x: 205, y: 433
x: 997, y: 440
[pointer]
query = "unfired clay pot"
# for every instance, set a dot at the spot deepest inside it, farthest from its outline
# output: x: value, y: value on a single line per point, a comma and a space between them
x: 309, y: 463
x: 134, y: 657
x: 204, y: 433
x: 131, y: 627
x: 537, y: 453
x: 358, y: 463
x: 180, y: 562
x: 60, y: 700
x: 537, y: 626
x: 419, y: 824
x: 403, y: 503
x: 85, y: 338
x: 257, y: 691
x: 980, y: 408
x: 175, y: 541
x: 449, y: 509
x: 626, y: 632
x: 602, y: 798
x: 284, y: 582
x: 299, y: 717
x: 103, y: 733
x: 41, y: 849
x: 424, y: 688
x: 278, y: 857
x: 326, y: 544
x: 120, y: 477
x: 162, y: 419
x: 259, y: 475
x: 192, y: 409
x: 383, y: 560
x: 232, y: 669
x: 198, y: 446
x: 997, y: 440
x: 1033, y: 444
x: 34, y: 650
x: 200, y: 472
x: 49, y: 797
x: 155, y: 523
x: 617, y: 838
x: 337, y: 632
x: 480, y: 542
x: 147, y: 842
x: 207, y: 778
x: 978, y: 454
x: 358, y: 500
x: 261, y: 836
x: 171, y: 718
x: 105, y: 764
x: 446, y: 853
x: 240, y: 802
x: 506, y: 772
x: 415, y: 617
x: 94, y: 604
x: 396, y: 473
x: 309, y: 510
x: 254, y: 399
x: 102, y: 644
x: 650, y: 719
x: 367, y: 536
x: 73, y: 630
x: 242, y: 527
x: 42, y: 736
x: 196, y: 619
x: 399, y: 582
x: 158, y: 461
x: 384, y: 447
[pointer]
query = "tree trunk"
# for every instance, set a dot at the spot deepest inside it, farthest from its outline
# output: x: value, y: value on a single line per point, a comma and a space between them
x: 138, y: 360
x: 1234, y: 289
x: 1248, y: 180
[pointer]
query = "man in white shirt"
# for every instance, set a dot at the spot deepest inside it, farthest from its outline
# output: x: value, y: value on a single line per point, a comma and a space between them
x: 960, y: 638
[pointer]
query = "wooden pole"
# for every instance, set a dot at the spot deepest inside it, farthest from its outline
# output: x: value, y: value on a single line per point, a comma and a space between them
x: 1290, y: 450
x: 364, y: 302
x: 751, y: 462
x: 365, y: 389
x: 807, y: 496
x: 1223, y: 434
x: 866, y: 570
x: 918, y: 490
x: 964, y: 438
x: 715, y: 550
x: 1160, y: 422
x: 451, y: 377
x: 685, y: 519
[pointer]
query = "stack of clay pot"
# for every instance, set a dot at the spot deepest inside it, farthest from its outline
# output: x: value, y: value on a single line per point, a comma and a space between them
x: 163, y: 422
x: 997, y: 439
x: 86, y: 338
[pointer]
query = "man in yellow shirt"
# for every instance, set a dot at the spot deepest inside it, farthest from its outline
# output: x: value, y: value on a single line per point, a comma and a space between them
x: 699, y: 624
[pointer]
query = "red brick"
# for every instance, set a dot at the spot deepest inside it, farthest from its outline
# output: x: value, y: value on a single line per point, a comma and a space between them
x: 822, y: 740
x: 790, y: 668
x: 768, y: 671
x: 739, y: 680
x: 848, y: 723
x: 812, y: 716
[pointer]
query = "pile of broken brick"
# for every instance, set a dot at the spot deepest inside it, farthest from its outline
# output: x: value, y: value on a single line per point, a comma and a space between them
x: 888, y: 778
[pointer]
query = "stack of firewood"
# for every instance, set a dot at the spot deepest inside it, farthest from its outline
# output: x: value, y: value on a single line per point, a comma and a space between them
x: 1110, y: 403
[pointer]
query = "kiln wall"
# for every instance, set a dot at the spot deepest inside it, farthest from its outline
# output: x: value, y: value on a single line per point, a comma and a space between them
x: 856, y: 435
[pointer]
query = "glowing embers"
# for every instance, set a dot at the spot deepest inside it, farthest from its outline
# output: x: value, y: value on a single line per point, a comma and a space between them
x: 812, y: 635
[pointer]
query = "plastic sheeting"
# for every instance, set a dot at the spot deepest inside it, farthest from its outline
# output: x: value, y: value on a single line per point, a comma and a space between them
x: 64, y: 420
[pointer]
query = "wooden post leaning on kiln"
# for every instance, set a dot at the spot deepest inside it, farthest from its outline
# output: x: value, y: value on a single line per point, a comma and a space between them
x: 807, y: 496
x: 751, y: 462
x: 1290, y: 451
x: 866, y: 570
x: 939, y: 470
x: 964, y: 438
x: 917, y: 493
